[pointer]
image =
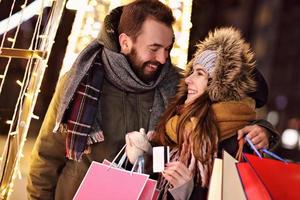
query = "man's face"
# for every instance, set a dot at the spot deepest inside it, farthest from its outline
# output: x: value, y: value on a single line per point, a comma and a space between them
x: 145, y: 70
x: 150, y: 51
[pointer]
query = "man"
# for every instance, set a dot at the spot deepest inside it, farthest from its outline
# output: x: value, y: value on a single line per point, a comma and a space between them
x: 118, y: 84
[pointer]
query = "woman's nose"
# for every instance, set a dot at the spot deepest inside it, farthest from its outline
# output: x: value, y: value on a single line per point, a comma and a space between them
x: 188, y: 80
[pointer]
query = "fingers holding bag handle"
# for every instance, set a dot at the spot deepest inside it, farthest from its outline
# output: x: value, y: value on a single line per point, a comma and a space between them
x: 264, y: 150
x: 136, y: 145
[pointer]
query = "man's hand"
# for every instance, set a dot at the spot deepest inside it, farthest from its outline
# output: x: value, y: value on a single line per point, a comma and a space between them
x: 176, y: 173
x: 258, y: 135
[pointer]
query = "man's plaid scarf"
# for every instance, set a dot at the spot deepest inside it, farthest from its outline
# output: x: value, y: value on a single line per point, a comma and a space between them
x: 83, y: 126
x: 82, y: 113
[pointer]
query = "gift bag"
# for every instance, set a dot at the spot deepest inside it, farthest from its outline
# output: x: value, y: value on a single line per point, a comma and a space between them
x: 256, y: 178
x: 108, y: 180
x: 149, y: 191
x: 281, y: 179
x: 225, y: 182
x: 253, y: 187
x: 215, y: 184
x: 265, y: 178
x: 105, y: 182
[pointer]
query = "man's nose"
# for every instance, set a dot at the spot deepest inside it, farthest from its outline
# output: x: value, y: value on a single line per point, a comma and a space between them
x: 162, y: 56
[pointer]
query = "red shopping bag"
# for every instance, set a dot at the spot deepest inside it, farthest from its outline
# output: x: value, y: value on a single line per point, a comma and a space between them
x: 281, y: 179
x: 265, y: 178
x: 253, y: 187
x: 106, y: 182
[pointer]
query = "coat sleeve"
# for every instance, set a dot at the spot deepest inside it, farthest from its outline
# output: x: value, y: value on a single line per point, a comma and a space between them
x: 48, y: 155
x: 274, y: 136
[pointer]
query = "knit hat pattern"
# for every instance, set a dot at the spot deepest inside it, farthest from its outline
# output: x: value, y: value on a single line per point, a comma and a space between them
x: 207, y: 59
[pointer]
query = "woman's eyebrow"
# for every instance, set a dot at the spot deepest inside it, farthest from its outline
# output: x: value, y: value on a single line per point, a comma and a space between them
x: 199, y: 70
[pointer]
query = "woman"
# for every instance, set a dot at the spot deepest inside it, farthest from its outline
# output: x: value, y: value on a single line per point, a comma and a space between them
x: 204, y: 116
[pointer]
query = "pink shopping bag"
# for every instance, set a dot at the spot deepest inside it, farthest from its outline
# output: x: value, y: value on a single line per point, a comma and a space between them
x: 148, y: 192
x: 106, y: 182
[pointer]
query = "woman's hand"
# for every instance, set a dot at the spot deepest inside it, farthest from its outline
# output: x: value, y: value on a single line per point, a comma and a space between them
x: 258, y: 135
x: 176, y: 173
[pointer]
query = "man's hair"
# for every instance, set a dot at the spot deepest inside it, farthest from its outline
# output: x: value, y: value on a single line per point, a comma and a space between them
x: 135, y: 13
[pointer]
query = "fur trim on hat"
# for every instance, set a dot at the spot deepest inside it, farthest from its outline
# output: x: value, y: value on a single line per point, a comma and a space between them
x: 232, y: 77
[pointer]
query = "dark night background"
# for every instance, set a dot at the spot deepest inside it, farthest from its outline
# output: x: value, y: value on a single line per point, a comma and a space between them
x: 271, y: 26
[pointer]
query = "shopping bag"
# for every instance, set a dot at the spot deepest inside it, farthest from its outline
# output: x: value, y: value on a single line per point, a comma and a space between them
x: 215, y: 184
x: 265, y: 178
x: 231, y: 183
x: 281, y: 179
x: 105, y: 182
x: 156, y: 194
x: 253, y: 187
x: 149, y: 191
x: 108, y: 180
x: 225, y: 182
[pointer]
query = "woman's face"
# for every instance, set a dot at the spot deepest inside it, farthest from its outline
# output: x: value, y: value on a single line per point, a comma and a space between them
x: 196, y: 83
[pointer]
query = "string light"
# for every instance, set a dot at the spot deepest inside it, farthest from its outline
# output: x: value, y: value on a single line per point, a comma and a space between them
x: 34, y: 71
x: 9, y: 122
x: 11, y: 39
x: 35, y: 116
x: 19, y: 83
x: 19, y: 172
x: 22, y: 124
x: 23, y: 15
x: 29, y: 96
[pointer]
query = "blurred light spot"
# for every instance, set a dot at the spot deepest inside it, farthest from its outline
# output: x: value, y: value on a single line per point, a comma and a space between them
x: 273, y: 117
x: 281, y: 102
x: 290, y: 138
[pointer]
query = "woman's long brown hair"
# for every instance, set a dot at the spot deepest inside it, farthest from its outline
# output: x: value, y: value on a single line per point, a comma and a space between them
x: 206, y: 131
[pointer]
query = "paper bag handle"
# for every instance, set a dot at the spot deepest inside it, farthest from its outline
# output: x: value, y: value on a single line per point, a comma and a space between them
x: 123, y: 158
x: 264, y: 150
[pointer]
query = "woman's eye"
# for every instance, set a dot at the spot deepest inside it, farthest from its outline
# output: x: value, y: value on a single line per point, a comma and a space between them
x: 200, y: 73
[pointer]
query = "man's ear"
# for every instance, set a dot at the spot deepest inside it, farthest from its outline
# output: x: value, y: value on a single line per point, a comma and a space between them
x: 125, y: 43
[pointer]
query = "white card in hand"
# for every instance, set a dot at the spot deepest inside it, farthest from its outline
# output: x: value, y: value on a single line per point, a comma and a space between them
x: 160, y: 158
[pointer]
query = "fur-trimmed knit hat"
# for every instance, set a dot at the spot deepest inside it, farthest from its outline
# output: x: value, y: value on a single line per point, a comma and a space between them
x: 229, y: 61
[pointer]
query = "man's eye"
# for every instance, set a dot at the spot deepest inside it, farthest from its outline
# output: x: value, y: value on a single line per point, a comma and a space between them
x: 153, y: 49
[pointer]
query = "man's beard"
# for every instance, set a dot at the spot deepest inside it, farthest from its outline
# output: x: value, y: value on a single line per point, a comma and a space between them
x: 138, y: 67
